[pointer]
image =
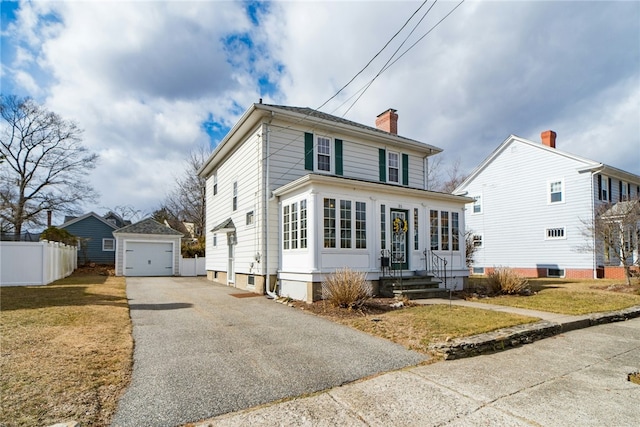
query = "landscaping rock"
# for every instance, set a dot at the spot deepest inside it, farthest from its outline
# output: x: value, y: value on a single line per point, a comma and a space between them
x: 516, y: 336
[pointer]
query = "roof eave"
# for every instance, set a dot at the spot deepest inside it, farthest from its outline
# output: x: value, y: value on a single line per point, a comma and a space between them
x: 375, y: 187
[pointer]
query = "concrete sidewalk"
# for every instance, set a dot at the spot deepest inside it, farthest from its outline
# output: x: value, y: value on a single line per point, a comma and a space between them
x: 576, y: 378
x: 550, y: 324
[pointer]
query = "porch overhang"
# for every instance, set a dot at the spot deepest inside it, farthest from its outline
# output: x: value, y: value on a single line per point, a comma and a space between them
x: 224, y: 227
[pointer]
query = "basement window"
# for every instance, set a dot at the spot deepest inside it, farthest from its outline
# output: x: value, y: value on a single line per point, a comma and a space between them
x: 251, y: 280
x: 555, y: 272
x: 479, y: 271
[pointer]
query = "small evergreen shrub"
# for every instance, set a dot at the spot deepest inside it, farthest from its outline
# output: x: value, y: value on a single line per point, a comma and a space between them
x: 346, y: 288
x: 505, y: 281
x: 54, y: 234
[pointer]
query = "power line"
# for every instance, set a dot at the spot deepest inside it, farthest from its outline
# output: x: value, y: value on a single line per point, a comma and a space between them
x: 359, y: 72
x: 382, y: 70
x: 390, y: 58
x: 377, y: 54
x: 388, y: 65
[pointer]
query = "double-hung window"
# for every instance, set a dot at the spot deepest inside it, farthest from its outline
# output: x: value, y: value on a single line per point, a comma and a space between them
x: 361, y: 225
x: 286, y: 227
x: 303, y: 224
x: 323, y: 162
x: 434, y: 229
x: 556, y: 191
x: 294, y: 225
x: 329, y: 223
x: 235, y: 195
x: 444, y: 226
x: 109, y: 245
x: 393, y: 166
x: 345, y: 224
x: 214, y: 179
x: 455, y: 231
x: 605, y: 187
x: 477, y: 204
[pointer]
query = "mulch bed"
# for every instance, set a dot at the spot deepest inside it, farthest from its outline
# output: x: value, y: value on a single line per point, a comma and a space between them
x: 374, y: 306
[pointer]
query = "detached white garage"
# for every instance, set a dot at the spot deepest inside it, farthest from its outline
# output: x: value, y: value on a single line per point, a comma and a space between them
x: 147, y: 248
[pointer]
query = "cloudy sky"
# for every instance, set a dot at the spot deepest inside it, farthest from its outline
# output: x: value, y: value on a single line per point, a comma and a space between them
x: 149, y: 81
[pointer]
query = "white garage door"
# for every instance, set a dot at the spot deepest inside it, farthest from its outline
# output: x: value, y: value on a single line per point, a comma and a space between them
x: 148, y: 259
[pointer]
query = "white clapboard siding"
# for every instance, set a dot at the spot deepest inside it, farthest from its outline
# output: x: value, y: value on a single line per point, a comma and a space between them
x: 514, y: 189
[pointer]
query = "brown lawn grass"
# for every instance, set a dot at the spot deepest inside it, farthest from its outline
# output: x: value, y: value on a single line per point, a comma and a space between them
x: 416, y: 327
x: 66, y: 351
x: 566, y: 296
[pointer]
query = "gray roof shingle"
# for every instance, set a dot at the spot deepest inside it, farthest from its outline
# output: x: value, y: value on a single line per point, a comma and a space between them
x: 148, y: 226
x: 330, y: 118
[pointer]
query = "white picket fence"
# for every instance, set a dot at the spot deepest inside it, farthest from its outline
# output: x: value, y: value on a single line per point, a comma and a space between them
x: 35, y: 263
x: 193, y: 266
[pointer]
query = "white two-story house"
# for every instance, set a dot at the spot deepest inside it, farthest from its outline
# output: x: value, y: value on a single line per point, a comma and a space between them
x: 534, y: 207
x: 294, y: 194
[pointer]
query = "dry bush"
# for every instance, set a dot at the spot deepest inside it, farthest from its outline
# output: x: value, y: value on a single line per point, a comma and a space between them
x: 346, y: 288
x: 505, y: 281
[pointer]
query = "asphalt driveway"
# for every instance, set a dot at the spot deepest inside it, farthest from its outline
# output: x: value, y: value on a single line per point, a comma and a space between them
x: 200, y: 352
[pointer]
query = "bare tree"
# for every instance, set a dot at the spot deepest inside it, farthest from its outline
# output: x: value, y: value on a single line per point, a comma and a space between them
x: 615, y: 230
x: 186, y: 202
x: 470, y: 248
x: 444, y: 178
x: 44, y: 164
x: 127, y: 212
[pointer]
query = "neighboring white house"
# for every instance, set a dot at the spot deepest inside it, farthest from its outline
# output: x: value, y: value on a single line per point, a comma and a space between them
x: 533, y: 207
x: 294, y: 194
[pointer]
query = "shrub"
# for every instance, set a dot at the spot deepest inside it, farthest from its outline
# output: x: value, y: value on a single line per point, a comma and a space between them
x: 54, y: 234
x: 346, y: 288
x: 193, y: 248
x: 506, y: 281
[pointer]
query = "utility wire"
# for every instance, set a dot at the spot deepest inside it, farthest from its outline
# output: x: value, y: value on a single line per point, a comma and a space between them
x: 377, y: 54
x: 363, y: 90
x: 352, y: 79
x: 384, y: 67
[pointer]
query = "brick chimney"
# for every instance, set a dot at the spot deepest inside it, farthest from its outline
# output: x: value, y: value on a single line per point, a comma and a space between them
x: 548, y: 138
x: 388, y: 121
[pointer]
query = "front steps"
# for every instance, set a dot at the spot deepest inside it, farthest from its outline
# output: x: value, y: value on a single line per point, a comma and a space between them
x: 412, y: 287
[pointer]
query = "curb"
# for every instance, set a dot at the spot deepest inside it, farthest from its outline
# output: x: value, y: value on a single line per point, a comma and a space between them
x: 515, y: 336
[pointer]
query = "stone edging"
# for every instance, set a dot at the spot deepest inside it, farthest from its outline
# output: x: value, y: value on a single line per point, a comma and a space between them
x: 516, y: 336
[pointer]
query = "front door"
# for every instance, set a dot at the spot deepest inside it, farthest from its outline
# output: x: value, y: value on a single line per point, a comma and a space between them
x: 231, y: 243
x: 399, y: 231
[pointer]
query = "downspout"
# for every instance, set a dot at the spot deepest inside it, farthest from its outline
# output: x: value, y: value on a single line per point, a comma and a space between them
x: 592, y: 198
x: 270, y: 294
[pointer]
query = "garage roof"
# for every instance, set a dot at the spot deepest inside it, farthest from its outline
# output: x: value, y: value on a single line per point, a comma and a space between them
x: 148, y: 226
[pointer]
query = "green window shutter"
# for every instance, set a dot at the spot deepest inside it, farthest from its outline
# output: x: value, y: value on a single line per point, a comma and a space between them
x: 339, y: 157
x: 382, y: 161
x: 405, y: 169
x: 308, y: 151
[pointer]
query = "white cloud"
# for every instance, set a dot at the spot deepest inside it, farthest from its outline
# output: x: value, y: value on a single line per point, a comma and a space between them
x: 142, y: 77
